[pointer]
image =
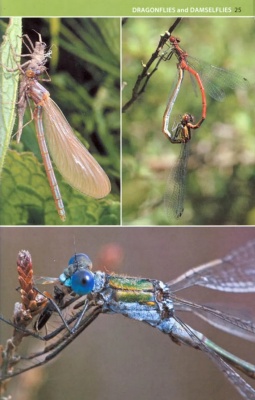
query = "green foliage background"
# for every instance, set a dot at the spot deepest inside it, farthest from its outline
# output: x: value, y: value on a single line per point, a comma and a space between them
x: 220, y: 186
x: 85, y: 74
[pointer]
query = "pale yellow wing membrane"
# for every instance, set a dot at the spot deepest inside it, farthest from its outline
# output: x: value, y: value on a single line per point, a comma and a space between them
x: 45, y: 280
x: 77, y: 166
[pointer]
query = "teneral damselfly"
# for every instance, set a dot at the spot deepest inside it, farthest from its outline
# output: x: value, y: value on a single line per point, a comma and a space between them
x: 75, y: 163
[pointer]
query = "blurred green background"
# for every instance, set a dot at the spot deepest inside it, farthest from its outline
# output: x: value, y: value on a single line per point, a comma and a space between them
x: 220, y: 184
x: 85, y: 74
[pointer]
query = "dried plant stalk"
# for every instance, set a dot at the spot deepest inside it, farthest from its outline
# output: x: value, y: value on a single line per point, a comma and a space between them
x: 31, y: 305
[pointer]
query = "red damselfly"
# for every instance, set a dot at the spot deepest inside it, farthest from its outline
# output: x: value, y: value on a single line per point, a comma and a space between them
x: 210, y: 79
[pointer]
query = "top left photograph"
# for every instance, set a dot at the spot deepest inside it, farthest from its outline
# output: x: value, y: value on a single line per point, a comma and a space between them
x: 60, y: 121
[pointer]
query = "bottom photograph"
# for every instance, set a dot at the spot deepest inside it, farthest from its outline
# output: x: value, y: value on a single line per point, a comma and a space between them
x: 65, y: 293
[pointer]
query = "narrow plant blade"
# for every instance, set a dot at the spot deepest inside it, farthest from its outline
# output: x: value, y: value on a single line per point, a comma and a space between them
x: 10, y: 45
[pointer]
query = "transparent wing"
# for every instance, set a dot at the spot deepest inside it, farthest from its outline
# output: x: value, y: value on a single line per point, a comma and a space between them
x: 175, y: 190
x: 217, y: 80
x: 184, y: 334
x: 233, y: 273
x: 235, y: 325
x: 44, y: 280
x: 77, y: 166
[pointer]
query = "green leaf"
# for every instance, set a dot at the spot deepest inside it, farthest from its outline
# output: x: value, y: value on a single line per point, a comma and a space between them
x: 9, y: 50
x: 26, y: 198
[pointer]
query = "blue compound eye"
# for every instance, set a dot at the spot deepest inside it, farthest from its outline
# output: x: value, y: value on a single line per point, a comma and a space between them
x: 82, y: 282
x: 81, y: 259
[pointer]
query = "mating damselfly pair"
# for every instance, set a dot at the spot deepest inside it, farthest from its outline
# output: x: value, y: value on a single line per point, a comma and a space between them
x: 80, y: 295
x: 220, y: 74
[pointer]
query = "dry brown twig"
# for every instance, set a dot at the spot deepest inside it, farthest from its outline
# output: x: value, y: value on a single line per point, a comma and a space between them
x: 144, y: 77
x: 32, y: 303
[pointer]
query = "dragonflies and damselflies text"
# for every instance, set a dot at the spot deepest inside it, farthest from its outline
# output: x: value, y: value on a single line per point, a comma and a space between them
x: 80, y: 295
x: 77, y: 166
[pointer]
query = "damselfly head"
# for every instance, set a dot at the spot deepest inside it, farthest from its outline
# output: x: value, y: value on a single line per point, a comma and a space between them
x: 80, y: 260
x: 187, y: 118
x: 78, y: 276
x: 174, y: 39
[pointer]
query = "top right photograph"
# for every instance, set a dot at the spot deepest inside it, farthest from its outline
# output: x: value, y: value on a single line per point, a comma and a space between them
x: 188, y: 136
